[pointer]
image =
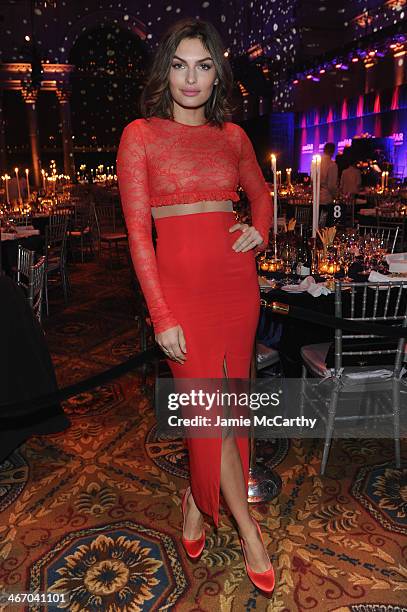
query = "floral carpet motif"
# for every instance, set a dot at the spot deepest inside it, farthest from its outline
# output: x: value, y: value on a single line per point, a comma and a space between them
x: 383, y: 492
x: 112, y: 567
x: 95, y: 510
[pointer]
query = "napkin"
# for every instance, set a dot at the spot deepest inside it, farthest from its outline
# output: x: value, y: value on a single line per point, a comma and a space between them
x: 376, y: 277
x: 265, y: 282
x: 397, y: 262
x: 313, y: 288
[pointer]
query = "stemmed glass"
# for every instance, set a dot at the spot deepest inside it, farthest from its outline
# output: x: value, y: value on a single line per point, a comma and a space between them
x: 346, y: 257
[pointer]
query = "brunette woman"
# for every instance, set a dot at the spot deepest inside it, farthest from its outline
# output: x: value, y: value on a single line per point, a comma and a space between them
x: 181, y: 164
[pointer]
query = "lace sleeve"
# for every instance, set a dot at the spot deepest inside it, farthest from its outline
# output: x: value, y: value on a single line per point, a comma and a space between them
x: 252, y: 181
x: 134, y: 193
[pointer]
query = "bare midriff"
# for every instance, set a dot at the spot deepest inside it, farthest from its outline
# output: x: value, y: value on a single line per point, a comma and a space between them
x: 174, y: 210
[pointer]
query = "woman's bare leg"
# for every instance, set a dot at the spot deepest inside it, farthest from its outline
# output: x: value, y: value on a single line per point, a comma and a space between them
x: 234, y: 491
x: 193, y: 521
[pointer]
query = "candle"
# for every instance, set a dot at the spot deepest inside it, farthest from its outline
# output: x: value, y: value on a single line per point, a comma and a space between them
x: 314, y: 198
x: 383, y: 180
x: 387, y: 179
x: 43, y: 179
x: 28, y: 184
x: 279, y: 178
x: 288, y: 173
x: 18, y: 184
x: 7, y: 193
x: 316, y: 186
x: 273, y: 160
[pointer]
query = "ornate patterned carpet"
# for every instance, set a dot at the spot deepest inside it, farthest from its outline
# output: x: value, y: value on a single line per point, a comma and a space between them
x: 95, y: 510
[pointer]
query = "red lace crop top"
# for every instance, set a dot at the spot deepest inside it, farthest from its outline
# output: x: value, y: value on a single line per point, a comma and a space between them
x: 162, y: 162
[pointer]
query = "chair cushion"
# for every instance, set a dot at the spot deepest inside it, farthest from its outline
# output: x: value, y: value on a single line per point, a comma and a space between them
x: 86, y: 230
x: 266, y: 356
x: 113, y: 236
x: 314, y: 356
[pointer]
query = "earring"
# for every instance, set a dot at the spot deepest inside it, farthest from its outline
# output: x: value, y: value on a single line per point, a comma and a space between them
x: 216, y: 82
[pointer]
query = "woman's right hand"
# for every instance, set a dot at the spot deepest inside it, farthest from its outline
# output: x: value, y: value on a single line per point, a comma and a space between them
x: 172, y: 342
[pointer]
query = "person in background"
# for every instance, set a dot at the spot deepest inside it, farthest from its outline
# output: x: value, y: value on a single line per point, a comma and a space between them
x: 343, y: 160
x: 351, y: 180
x: 329, y: 182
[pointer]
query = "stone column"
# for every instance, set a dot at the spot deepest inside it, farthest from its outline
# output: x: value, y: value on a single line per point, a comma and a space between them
x: 3, y: 152
x: 64, y: 95
x: 30, y: 95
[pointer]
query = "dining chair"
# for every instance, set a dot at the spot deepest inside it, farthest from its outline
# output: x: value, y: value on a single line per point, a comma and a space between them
x: 302, y: 215
x: 348, y: 214
x: 25, y: 260
x: 388, y: 235
x: 263, y: 356
x: 109, y: 229
x: 81, y: 229
x: 30, y: 277
x: 357, y: 363
x: 55, y: 253
x: 35, y: 295
x: 266, y: 356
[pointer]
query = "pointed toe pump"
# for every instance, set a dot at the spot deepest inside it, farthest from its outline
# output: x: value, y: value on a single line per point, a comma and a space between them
x: 264, y: 581
x: 193, y: 548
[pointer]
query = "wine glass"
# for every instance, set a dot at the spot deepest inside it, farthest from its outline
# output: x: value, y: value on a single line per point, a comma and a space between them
x: 345, y: 259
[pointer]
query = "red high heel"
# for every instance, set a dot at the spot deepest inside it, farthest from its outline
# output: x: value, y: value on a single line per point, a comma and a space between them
x: 193, y: 548
x: 264, y: 581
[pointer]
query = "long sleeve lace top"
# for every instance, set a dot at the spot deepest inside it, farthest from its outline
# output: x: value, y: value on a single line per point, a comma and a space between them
x: 162, y: 162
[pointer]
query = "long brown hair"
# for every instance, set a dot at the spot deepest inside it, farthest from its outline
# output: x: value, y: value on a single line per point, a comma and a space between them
x: 156, y: 99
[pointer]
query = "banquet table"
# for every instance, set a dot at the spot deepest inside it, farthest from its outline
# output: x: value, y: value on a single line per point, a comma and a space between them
x: 28, y: 238
x: 26, y: 372
x: 293, y: 333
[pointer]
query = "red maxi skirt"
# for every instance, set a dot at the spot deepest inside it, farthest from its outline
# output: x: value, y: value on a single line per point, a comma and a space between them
x: 213, y: 292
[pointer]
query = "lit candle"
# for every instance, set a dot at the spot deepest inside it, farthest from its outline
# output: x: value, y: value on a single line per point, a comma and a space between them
x: 279, y: 178
x: 6, y: 177
x: 43, y: 179
x: 28, y: 184
x: 273, y: 159
x: 18, y: 185
x: 383, y: 179
x: 288, y: 173
x: 387, y: 179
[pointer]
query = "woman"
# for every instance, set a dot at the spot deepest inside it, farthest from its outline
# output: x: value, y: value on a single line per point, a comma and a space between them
x: 181, y: 164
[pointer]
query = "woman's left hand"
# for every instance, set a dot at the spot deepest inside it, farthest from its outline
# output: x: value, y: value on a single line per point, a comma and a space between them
x: 249, y: 239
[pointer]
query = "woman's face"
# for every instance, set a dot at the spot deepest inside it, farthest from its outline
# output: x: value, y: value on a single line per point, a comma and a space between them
x: 192, y: 74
